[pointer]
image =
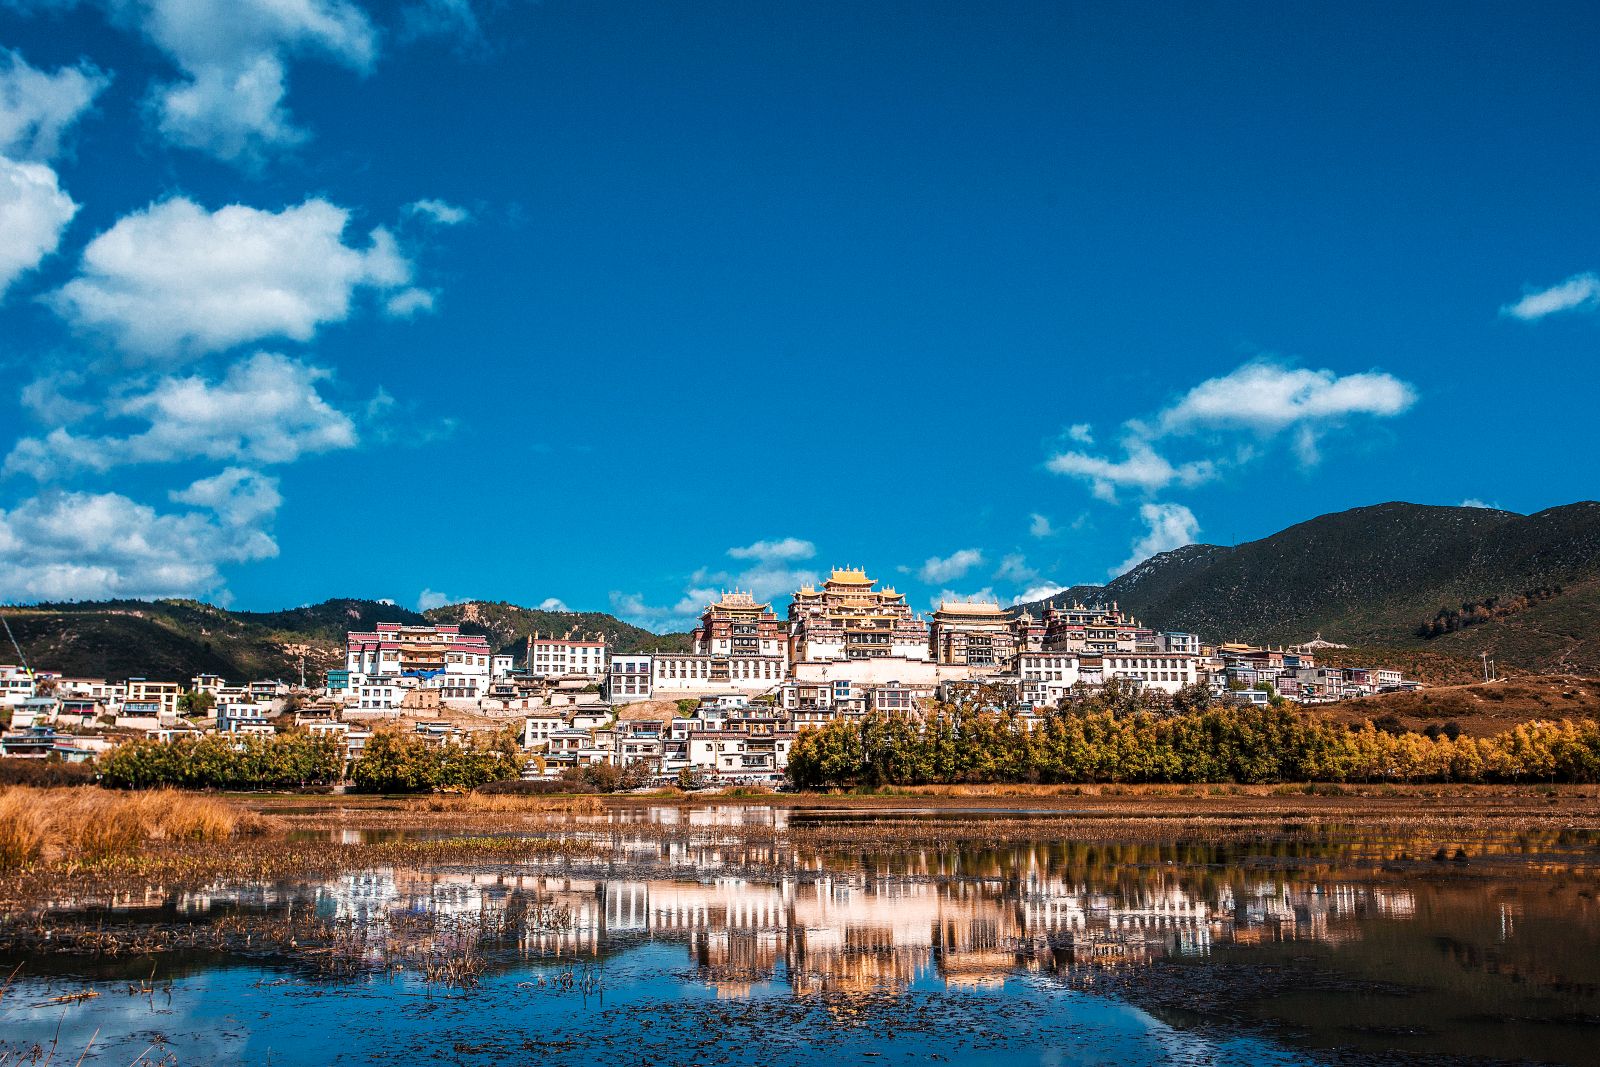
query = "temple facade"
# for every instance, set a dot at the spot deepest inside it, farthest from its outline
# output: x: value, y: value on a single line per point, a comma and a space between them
x: 974, y: 634
x: 735, y: 625
x: 849, y: 618
x: 1095, y: 629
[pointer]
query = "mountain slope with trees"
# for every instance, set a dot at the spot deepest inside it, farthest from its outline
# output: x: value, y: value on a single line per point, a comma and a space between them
x: 174, y: 640
x: 1527, y: 586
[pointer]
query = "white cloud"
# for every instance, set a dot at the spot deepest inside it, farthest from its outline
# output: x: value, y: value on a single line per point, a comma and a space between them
x: 553, y: 604
x: 33, y: 214
x: 1014, y: 568
x: 234, y: 56
x: 239, y: 496
x: 1039, y: 526
x: 1043, y: 591
x: 771, y: 574
x: 46, y: 396
x: 633, y: 608
x: 446, y: 18
x: 1474, y: 502
x: 787, y: 548
x: 935, y: 570
x: 950, y: 596
x: 408, y: 302
x: 1081, y: 432
x: 1262, y: 399
x: 35, y: 111
x: 1581, y: 292
x: 1167, y: 526
x: 37, y: 108
x: 1142, y: 468
x: 84, y: 546
x: 265, y: 409
x: 1267, y: 397
x: 177, y: 279
x: 439, y: 211
x: 429, y: 599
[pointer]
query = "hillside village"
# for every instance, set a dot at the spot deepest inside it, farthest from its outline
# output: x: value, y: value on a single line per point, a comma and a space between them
x: 727, y: 711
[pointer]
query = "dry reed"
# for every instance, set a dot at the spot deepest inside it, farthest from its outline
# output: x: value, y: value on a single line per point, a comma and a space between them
x: 86, y: 823
x: 472, y: 803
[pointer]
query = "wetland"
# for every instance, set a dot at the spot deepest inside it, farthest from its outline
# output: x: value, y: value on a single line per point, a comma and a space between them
x: 1102, y: 926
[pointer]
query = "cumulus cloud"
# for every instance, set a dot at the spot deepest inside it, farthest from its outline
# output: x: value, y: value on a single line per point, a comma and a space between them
x: 238, y: 496
x: 46, y: 397
x: 1268, y: 398
x: 785, y: 548
x: 176, y: 279
x: 935, y: 570
x: 85, y: 546
x: 1167, y: 526
x: 1142, y: 468
x: 1014, y: 568
x: 1581, y: 292
x: 1043, y: 591
x: 234, y: 57
x: 33, y: 214
x: 408, y: 302
x: 429, y: 599
x: 439, y: 211
x: 770, y: 573
x: 265, y: 409
x: 1039, y: 526
x: 1255, y: 403
x: 635, y: 609
x: 36, y: 108
x: 442, y: 18
x: 1081, y: 432
x: 553, y: 604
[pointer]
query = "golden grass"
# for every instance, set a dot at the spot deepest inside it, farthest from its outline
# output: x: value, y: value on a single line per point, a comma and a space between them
x: 472, y: 803
x: 49, y: 826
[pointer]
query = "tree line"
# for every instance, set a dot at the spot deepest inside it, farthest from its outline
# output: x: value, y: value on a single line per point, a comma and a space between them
x: 951, y: 744
x: 391, y: 762
x: 1477, y: 612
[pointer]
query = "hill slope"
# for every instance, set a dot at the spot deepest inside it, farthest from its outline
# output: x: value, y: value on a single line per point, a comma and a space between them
x: 174, y: 640
x: 507, y: 626
x: 1372, y: 575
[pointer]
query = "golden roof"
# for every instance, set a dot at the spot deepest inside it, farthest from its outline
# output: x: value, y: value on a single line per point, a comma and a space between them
x: 849, y: 576
x: 968, y: 607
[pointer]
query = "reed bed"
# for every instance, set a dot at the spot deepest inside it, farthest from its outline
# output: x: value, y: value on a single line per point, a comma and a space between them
x: 50, y: 826
x: 506, y: 803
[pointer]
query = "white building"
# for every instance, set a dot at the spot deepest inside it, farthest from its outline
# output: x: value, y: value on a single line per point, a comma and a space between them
x: 1152, y: 670
x: 1047, y: 677
x: 629, y: 678
x: 686, y: 674
x: 16, y: 685
x: 575, y: 654
x: 379, y: 693
x: 417, y: 657
x: 1182, y: 644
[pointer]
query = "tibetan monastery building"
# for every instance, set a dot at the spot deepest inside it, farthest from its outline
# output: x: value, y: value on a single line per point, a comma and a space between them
x: 850, y: 619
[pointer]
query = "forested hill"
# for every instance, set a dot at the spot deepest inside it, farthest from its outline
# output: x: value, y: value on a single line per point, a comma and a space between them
x: 177, y: 639
x: 1453, y: 580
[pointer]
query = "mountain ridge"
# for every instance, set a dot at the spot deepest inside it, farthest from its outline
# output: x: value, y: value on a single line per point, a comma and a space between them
x: 175, y: 639
x: 1372, y: 575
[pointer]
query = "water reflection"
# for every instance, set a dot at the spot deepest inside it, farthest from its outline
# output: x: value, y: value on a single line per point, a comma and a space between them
x: 1331, y: 943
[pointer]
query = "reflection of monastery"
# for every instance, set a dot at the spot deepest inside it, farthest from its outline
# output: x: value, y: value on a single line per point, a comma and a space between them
x: 853, y: 933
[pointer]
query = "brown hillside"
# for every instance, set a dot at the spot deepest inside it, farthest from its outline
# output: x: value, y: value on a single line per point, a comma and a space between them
x: 1480, y: 709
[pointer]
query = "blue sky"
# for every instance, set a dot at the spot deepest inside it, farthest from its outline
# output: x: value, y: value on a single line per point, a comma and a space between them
x: 614, y: 304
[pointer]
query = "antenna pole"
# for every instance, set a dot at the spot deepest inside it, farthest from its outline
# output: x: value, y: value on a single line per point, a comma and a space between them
x: 25, y: 668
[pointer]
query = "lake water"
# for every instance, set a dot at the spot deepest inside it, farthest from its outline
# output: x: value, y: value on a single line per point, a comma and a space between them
x: 722, y: 935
